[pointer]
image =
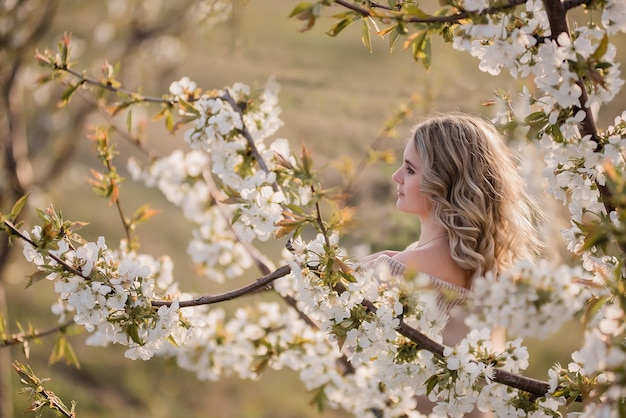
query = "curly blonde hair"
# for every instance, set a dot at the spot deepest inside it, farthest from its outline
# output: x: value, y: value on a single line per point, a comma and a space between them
x: 477, y: 193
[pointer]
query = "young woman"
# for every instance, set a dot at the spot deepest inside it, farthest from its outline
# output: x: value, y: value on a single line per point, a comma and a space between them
x: 460, y: 179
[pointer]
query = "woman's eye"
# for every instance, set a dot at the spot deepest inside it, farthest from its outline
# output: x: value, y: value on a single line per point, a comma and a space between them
x: 410, y: 170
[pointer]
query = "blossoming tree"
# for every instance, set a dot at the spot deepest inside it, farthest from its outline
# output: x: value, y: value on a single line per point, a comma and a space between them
x: 361, y: 340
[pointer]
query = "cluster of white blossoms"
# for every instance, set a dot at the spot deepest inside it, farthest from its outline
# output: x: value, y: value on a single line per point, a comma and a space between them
x: 530, y: 299
x: 214, y: 247
x: 343, y: 338
x: 110, y: 293
x: 230, y: 135
x: 574, y: 170
x: 601, y: 360
x: 219, y: 147
x: 503, y: 42
x: 457, y: 382
x: 614, y: 16
x: 574, y: 163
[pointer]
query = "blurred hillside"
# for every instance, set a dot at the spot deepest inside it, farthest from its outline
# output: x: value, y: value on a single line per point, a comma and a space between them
x: 335, y: 97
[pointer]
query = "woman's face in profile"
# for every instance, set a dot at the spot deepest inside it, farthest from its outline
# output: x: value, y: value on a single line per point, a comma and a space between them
x: 409, y: 178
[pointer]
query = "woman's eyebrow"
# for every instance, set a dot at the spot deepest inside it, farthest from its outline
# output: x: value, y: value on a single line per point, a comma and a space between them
x: 409, y: 163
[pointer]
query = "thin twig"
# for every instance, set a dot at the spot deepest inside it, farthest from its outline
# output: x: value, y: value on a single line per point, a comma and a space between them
x: 260, y: 283
x: 246, y: 134
x: 82, y: 79
x: 30, y: 380
x: 16, y: 339
x: 23, y: 237
x: 455, y: 18
x: 382, y: 135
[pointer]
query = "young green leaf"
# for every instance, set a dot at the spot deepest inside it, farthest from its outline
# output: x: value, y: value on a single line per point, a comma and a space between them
x: 17, y: 207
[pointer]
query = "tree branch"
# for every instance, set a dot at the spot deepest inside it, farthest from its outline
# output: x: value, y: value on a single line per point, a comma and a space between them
x: 16, y: 339
x: 29, y: 379
x: 535, y: 387
x: 260, y: 283
x: 246, y: 133
x: 455, y: 18
x: 13, y: 230
x: 82, y: 79
x: 557, y: 17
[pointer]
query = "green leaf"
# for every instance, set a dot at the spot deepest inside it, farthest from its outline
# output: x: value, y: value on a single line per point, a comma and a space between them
x: 132, y: 330
x: 555, y: 130
x: 300, y: 8
x: 431, y: 383
x: 58, y: 350
x: 17, y: 207
x: 173, y: 341
x: 415, y: 11
x: 536, y: 117
x: 592, y: 307
x: 601, y: 49
x: 418, y: 46
x: 319, y: 399
x: 70, y: 355
x: 426, y: 59
x: 67, y: 95
x: 36, y: 277
x: 295, y: 209
x: 395, y: 35
x: 342, y: 24
x: 365, y: 36
x: 537, y: 122
x: 3, y: 330
x: 169, y: 122
x: 129, y: 119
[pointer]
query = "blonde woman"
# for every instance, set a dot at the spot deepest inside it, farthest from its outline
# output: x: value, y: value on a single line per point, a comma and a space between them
x: 460, y: 179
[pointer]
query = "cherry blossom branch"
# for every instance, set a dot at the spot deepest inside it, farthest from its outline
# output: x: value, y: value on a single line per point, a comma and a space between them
x: 557, y: 17
x: 16, y: 339
x: 258, y: 284
x: 246, y: 133
x: 16, y: 232
x: 83, y: 79
x: 535, y: 387
x: 455, y: 18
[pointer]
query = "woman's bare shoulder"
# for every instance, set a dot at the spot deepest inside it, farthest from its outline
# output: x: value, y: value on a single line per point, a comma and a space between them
x: 434, y: 261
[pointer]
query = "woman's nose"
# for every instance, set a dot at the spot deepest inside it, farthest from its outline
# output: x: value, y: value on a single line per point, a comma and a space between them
x: 397, y: 176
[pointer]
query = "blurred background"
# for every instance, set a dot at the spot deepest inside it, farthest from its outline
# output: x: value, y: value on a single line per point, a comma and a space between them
x: 335, y: 96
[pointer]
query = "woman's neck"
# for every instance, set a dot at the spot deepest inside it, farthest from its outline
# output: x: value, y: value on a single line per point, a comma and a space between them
x: 430, y: 231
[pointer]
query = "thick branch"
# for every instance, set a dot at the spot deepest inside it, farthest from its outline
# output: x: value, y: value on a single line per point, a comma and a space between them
x: 557, y: 16
x: 535, y: 387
